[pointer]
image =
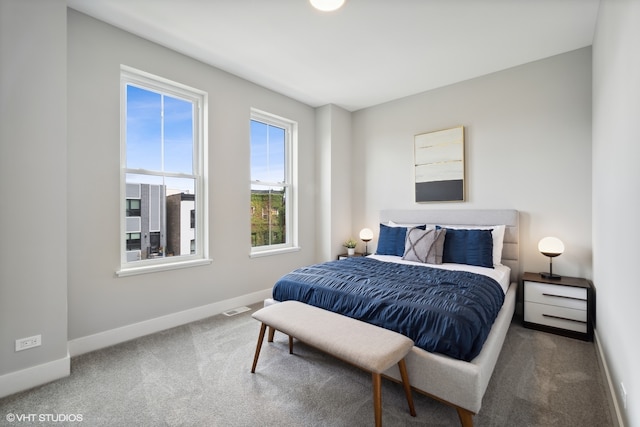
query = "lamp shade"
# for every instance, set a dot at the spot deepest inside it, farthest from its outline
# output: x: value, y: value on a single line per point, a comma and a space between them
x: 551, y: 246
x: 366, y: 234
x: 327, y: 5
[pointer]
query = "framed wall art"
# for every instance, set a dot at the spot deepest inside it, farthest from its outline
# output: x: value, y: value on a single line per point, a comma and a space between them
x: 439, y: 166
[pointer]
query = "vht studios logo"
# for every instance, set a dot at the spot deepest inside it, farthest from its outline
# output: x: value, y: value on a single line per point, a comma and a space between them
x: 51, y: 418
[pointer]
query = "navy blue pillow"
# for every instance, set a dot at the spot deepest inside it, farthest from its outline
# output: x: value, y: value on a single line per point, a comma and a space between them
x: 391, y: 240
x: 471, y: 247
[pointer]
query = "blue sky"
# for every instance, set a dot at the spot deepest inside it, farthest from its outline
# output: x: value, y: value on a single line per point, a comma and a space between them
x: 144, y: 132
x: 148, y: 148
x: 267, y: 152
x: 145, y: 149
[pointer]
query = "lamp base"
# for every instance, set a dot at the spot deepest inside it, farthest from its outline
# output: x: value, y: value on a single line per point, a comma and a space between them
x: 366, y: 247
x: 550, y: 276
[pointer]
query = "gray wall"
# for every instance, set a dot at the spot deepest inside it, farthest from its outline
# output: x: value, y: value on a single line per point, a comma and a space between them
x: 527, y: 147
x: 99, y: 301
x: 616, y: 194
x: 33, y: 179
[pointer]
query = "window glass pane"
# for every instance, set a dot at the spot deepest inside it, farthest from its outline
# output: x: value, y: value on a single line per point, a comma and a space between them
x: 267, y: 152
x: 167, y: 215
x: 144, y: 129
x: 276, y: 153
x: 258, y: 151
x: 268, y: 226
x: 178, y: 135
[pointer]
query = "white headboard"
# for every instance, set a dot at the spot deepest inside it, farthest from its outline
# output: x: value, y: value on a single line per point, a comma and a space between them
x: 508, y: 217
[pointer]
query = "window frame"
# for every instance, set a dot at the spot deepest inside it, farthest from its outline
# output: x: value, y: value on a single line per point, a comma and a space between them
x: 290, y: 184
x: 199, y: 98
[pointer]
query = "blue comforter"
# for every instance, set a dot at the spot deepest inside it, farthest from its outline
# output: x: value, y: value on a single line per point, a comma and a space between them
x: 442, y: 311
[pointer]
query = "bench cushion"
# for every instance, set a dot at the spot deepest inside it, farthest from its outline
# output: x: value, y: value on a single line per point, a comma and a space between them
x: 362, y: 344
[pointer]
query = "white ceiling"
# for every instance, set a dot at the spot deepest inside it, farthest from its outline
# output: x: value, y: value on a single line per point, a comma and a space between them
x: 368, y: 52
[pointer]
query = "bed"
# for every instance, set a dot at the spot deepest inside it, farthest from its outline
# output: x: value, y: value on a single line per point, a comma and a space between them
x: 458, y: 378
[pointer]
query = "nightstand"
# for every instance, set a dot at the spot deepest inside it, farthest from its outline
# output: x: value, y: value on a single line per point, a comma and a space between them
x: 345, y: 256
x: 561, y: 306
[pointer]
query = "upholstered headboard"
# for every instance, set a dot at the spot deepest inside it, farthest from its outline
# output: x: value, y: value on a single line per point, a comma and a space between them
x: 508, y: 217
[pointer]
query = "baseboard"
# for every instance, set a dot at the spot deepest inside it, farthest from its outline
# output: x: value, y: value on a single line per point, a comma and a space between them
x: 125, y: 333
x: 616, y: 414
x: 33, y: 376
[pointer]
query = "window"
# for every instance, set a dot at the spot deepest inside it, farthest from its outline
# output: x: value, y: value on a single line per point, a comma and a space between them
x: 133, y: 207
x: 273, y: 202
x: 163, y: 174
x: 133, y: 242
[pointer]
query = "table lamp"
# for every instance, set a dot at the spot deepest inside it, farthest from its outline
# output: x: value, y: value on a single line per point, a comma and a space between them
x: 366, y: 235
x: 551, y: 247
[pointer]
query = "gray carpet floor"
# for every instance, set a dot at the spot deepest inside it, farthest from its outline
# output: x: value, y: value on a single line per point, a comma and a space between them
x: 199, y: 375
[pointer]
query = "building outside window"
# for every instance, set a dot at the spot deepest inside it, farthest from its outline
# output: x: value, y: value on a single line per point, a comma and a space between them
x: 163, y: 172
x: 145, y: 221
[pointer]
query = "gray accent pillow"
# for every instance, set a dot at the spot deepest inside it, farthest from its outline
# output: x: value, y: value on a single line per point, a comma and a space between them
x: 424, y: 246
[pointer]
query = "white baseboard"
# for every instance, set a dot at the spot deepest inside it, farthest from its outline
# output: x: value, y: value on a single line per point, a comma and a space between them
x: 33, y: 376
x: 125, y: 333
x: 617, y: 416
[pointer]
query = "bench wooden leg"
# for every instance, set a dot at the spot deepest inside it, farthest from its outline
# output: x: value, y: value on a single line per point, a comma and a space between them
x: 272, y: 332
x: 290, y: 344
x: 263, y: 327
x: 377, y: 398
x: 407, y: 386
x: 466, y: 417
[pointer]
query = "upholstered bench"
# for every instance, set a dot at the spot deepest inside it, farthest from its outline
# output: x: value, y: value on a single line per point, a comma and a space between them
x: 366, y: 346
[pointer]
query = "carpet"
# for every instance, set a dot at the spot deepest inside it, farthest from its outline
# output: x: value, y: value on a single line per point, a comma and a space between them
x: 199, y: 375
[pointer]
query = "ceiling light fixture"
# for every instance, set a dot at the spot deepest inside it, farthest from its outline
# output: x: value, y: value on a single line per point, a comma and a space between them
x: 327, y: 5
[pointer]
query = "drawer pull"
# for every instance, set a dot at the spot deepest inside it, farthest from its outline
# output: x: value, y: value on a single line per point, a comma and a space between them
x: 562, y: 296
x: 563, y: 318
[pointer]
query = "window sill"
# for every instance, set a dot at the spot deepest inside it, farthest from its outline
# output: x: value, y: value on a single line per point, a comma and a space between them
x: 270, y: 252
x: 132, y: 271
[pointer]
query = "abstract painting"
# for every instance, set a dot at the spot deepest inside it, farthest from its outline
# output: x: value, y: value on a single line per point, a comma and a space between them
x: 439, y: 165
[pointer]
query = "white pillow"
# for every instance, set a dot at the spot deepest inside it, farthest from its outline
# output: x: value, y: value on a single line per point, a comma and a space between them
x: 497, y: 234
x: 394, y: 224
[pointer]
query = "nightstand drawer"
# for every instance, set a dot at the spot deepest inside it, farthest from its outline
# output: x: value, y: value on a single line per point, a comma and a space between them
x: 561, y: 296
x: 557, y: 317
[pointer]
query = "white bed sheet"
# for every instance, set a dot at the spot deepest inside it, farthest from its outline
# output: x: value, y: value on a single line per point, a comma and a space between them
x: 500, y: 273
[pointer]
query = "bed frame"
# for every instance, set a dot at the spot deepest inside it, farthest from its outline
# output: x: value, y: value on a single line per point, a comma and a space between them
x: 455, y: 382
x: 451, y: 381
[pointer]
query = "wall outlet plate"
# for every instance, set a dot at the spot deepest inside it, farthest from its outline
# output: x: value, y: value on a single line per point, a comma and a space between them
x: 29, y: 342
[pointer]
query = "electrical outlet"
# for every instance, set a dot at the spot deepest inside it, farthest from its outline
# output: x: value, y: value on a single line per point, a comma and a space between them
x: 623, y: 395
x: 25, y: 343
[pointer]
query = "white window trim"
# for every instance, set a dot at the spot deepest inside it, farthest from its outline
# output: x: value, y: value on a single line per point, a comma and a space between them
x: 129, y: 75
x: 291, y: 160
